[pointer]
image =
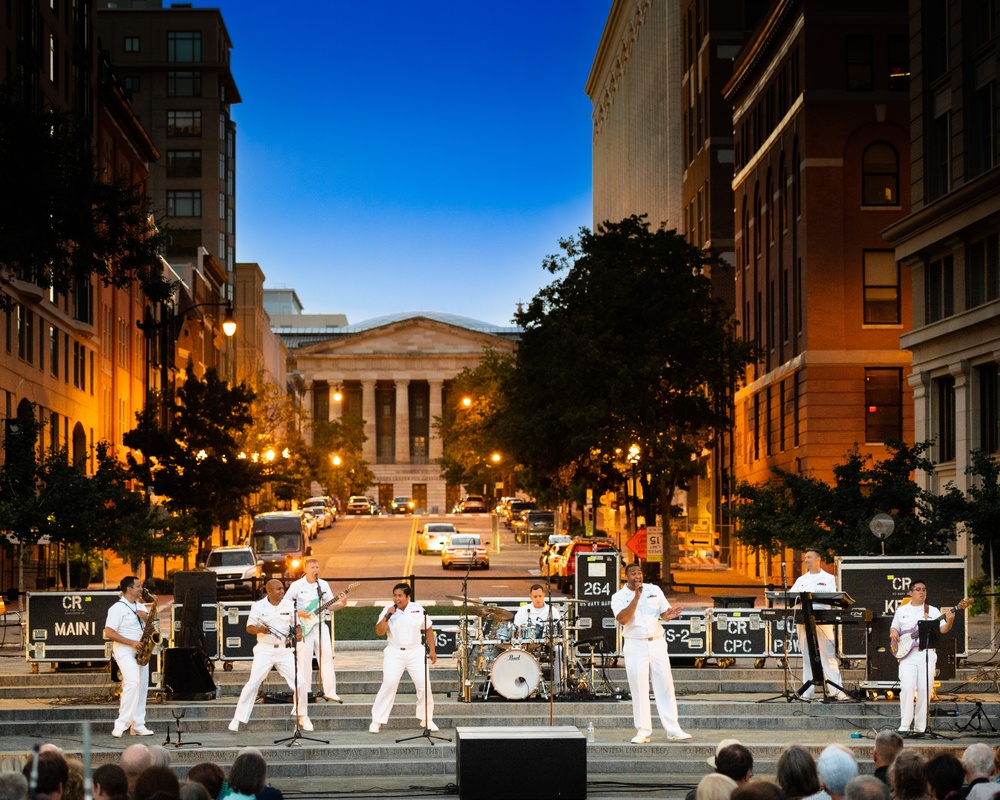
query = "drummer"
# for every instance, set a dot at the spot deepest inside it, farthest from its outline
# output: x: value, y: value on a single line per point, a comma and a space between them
x: 538, y: 611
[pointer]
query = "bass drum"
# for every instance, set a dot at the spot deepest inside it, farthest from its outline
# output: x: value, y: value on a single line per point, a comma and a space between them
x: 515, y: 674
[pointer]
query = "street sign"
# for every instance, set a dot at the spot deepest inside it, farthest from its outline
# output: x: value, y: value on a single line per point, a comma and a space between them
x: 654, y: 543
x: 637, y: 544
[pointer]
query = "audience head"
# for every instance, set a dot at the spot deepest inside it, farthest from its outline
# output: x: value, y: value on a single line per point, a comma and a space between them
x: 866, y: 787
x: 135, y: 759
x: 735, y: 761
x: 73, y: 790
x: 248, y: 775
x: 208, y: 774
x: 757, y: 790
x: 945, y: 775
x: 887, y: 747
x: 110, y: 783
x: 157, y: 783
x: 715, y: 786
x: 159, y: 756
x: 192, y: 790
x: 908, y: 776
x: 53, y: 774
x: 836, y: 766
x: 13, y: 786
x: 796, y: 772
x: 978, y: 761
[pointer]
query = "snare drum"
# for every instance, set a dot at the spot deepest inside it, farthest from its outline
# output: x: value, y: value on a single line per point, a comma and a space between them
x: 504, y: 631
x: 515, y: 674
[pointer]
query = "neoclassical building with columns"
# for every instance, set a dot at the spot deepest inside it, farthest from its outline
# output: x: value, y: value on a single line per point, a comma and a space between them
x: 395, y: 371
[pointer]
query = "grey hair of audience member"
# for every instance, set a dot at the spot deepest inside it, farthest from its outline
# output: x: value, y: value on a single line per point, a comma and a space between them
x: 866, y: 787
x: 796, y: 772
x: 134, y: 759
x: 888, y: 745
x: 159, y: 756
x: 13, y: 786
x: 977, y: 761
x: 715, y: 786
x: 836, y: 766
x: 192, y: 790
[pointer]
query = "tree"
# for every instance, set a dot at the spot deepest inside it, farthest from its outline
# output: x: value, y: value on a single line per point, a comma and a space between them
x: 336, y: 457
x: 629, y: 347
x: 60, y: 223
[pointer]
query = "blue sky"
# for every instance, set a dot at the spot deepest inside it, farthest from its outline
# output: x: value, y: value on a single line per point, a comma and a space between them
x: 404, y: 155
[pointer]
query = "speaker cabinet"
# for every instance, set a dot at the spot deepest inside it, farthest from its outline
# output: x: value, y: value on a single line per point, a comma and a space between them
x: 529, y: 763
x: 186, y: 674
x: 882, y: 664
x: 204, y: 583
x: 946, y: 659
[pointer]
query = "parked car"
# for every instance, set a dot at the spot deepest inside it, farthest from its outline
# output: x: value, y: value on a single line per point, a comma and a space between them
x: 237, y: 570
x: 323, y: 509
x: 310, y: 521
x: 549, y: 558
x: 566, y: 571
x: 281, y: 540
x: 434, y: 537
x: 474, y: 504
x: 534, y: 525
x: 401, y: 505
x: 464, y: 549
x: 514, y: 509
x: 358, y: 504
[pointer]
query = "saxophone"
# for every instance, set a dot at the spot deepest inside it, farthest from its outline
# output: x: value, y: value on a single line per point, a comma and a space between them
x: 150, y: 633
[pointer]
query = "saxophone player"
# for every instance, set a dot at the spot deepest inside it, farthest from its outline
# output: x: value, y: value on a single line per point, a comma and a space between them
x: 124, y: 627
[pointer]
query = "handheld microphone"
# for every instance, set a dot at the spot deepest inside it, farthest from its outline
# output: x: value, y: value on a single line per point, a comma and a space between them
x: 783, y: 581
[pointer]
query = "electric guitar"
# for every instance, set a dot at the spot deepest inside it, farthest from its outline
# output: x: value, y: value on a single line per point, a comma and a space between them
x: 314, y: 609
x: 909, y: 639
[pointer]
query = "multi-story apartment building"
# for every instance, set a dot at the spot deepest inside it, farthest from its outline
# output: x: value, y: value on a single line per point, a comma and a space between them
x: 949, y: 241
x: 175, y: 64
x: 821, y: 165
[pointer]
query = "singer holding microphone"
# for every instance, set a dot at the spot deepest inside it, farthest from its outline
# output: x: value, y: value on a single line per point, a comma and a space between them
x: 639, y: 607
x: 816, y: 579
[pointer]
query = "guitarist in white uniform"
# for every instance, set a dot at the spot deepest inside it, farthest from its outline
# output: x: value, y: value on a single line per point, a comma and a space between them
x: 913, y: 667
x: 309, y: 593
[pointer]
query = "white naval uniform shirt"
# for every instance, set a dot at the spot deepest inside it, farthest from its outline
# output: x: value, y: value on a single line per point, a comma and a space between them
x: 820, y: 582
x: 530, y: 613
x: 405, y: 625
x: 645, y: 622
x: 276, y: 617
x: 302, y: 593
x: 123, y: 617
x: 906, y: 618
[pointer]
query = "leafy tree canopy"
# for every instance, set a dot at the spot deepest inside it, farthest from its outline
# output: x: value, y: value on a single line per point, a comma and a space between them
x: 340, y: 441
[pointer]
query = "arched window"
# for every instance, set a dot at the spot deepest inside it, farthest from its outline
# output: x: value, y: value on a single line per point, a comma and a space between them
x: 880, y: 175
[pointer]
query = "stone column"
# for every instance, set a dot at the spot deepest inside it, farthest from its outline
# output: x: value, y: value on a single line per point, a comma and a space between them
x: 435, y: 448
x: 368, y: 411
x: 308, y: 401
x: 402, y: 421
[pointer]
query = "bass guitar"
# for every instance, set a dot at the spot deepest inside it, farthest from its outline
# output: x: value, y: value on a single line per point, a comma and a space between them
x: 909, y: 639
x: 314, y: 609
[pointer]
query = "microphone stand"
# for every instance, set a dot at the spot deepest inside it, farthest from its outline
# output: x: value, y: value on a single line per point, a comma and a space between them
x: 426, y: 734
x: 297, y: 736
x: 786, y: 692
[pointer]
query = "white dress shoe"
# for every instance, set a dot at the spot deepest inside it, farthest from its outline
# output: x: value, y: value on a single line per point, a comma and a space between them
x: 332, y: 698
x: 141, y: 730
x: 429, y: 726
x: 639, y: 739
x: 305, y: 723
x: 679, y: 737
x: 234, y: 726
x: 118, y: 732
x: 374, y: 727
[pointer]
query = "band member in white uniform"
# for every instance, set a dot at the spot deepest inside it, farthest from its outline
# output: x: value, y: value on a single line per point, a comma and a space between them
x: 403, y: 622
x: 916, y: 664
x: 538, y: 610
x: 272, y: 620
x: 123, y: 627
x: 639, y: 607
x: 311, y: 591
x: 816, y: 579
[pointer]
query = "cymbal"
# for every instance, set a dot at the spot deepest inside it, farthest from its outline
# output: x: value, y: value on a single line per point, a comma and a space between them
x: 496, y: 613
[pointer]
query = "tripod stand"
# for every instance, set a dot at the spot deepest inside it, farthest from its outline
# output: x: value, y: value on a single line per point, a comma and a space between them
x: 297, y: 736
x: 976, y: 720
x: 426, y: 733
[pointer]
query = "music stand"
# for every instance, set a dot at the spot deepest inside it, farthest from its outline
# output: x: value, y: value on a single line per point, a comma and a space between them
x: 297, y: 736
x: 426, y: 733
x: 929, y: 637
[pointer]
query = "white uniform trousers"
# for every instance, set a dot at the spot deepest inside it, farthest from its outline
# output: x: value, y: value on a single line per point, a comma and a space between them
x: 265, y: 657
x: 913, y: 671
x: 322, y: 648
x: 394, y: 661
x: 645, y: 659
x: 827, y: 644
x: 135, y: 685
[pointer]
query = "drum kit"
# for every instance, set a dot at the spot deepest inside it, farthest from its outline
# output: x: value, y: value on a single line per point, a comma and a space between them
x: 518, y: 662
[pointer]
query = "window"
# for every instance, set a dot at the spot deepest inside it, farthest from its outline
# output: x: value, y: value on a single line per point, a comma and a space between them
x: 183, y: 47
x: 936, y: 161
x: 184, y: 203
x: 936, y: 37
x: 860, y: 64
x: 880, y: 175
x: 54, y: 350
x: 131, y: 44
x: 989, y: 408
x: 980, y: 125
x: 899, y: 64
x: 183, y: 163
x: 881, y: 288
x: 944, y: 418
x: 79, y: 366
x: 130, y: 83
x: 183, y: 84
x: 979, y: 27
x: 982, y: 281
x: 883, y: 404
x: 940, y: 289
x: 183, y: 123
x: 53, y: 59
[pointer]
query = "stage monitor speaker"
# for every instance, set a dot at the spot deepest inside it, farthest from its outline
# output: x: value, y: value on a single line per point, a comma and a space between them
x: 946, y: 650
x: 186, y: 674
x: 881, y: 663
x: 549, y: 762
x: 204, y: 583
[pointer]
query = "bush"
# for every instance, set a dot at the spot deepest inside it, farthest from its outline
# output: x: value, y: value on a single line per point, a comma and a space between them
x: 357, y: 624
x: 978, y: 589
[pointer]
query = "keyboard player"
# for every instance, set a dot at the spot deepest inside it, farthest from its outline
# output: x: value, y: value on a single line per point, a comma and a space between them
x: 816, y: 579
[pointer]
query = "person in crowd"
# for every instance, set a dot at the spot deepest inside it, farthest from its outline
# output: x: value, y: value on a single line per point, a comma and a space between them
x: 712, y: 761
x: 271, y: 619
x: 638, y: 608
x: 537, y: 610
x: 797, y: 775
x: 736, y: 761
x: 190, y: 790
x: 977, y: 761
x: 268, y: 792
x: 247, y: 776
x: 134, y: 760
x: 836, y: 766
x: 210, y: 775
x: 402, y: 623
x: 123, y: 627
x: 308, y: 594
x: 816, y: 579
x: 715, y: 786
x: 47, y: 775
x: 946, y: 776
x: 757, y: 790
x: 110, y: 783
x: 866, y: 787
x: 888, y: 744
x: 157, y: 783
x: 13, y: 786
x: 916, y: 664
x: 73, y: 790
x: 159, y: 756
x: 908, y: 777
